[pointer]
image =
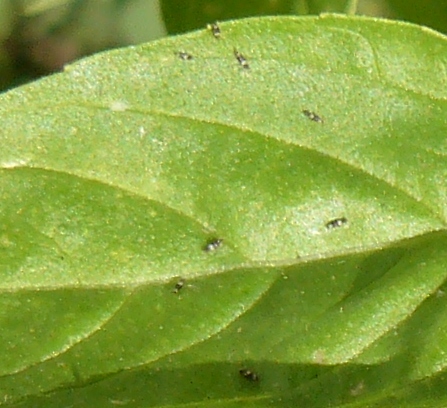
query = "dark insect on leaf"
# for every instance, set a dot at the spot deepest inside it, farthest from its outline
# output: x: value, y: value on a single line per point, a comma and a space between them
x: 338, y: 222
x: 241, y: 59
x: 185, y: 56
x: 178, y: 286
x: 312, y: 116
x: 215, y: 29
x: 249, y: 375
x: 213, y: 245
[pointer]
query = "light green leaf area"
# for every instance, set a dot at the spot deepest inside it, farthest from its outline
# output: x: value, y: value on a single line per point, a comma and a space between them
x: 317, y: 162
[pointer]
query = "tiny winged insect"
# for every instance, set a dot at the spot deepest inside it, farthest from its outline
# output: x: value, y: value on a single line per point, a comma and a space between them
x: 241, y: 59
x: 185, y: 56
x: 249, y: 375
x: 337, y: 223
x: 312, y: 116
x: 213, y: 245
x: 178, y: 286
x: 215, y: 29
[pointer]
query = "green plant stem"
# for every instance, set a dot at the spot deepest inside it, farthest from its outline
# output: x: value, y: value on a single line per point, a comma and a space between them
x: 351, y: 7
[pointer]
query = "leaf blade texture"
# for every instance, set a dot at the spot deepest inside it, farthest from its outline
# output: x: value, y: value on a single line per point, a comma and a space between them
x: 171, y: 222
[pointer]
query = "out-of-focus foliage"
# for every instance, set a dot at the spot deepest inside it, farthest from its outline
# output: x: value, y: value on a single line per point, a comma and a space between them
x: 35, y: 7
x: 5, y: 31
x: 430, y: 13
x: 38, y: 37
x: 196, y: 14
x: 373, y: 8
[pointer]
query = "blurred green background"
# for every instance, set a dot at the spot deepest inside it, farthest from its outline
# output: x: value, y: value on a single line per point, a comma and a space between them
x: 38, y: 37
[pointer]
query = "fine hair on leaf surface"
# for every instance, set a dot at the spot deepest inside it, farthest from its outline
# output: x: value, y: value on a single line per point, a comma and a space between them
x: 244, y: 216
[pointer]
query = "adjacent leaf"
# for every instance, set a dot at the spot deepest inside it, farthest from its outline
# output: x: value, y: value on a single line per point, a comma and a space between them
x: 140, y: 20
x: 320, y: 6
x: 271, y: 200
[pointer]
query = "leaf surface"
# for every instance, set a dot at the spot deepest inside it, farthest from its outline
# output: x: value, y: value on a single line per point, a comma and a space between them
x: 276, y: 204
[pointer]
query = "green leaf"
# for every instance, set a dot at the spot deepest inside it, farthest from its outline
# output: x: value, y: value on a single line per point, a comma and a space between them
x: 167, y: 222
x: 140, y: 20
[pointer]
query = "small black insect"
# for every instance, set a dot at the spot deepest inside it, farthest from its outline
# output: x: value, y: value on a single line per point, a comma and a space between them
x: 178, y: 286
x: 215, y: 29
x: 213, y: 245
x: 184, y: 55
x: 241, y: 59
x: 312, y: 116
x: 249, y: 375
x: 338, y: 222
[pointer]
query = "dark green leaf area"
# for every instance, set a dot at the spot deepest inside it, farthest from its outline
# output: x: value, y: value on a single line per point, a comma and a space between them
x: 142, y: 325
x: 359, y: 311
x: 220, y: 383
x: 429, y: 13
x: 37, y: 326
x: 282, y: 385
x: 344, y: 309
x: 197, y: 14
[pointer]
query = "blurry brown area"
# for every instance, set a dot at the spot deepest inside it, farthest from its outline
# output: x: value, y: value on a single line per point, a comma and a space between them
x: 42, y: 40
x: 34, y: 56
x: 42, y: 44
